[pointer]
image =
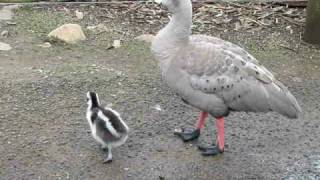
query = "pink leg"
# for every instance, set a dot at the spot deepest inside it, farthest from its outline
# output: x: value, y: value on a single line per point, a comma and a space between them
x: 202, y: 117
x: 220, y: 133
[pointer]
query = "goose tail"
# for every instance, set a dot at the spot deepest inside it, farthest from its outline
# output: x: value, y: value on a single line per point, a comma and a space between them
x: 282, y: 101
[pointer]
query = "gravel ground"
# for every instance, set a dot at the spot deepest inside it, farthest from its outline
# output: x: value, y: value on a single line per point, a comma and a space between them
x: 45, y: 135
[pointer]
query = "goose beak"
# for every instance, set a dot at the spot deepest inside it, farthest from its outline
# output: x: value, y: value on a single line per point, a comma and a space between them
x: 158, y: 1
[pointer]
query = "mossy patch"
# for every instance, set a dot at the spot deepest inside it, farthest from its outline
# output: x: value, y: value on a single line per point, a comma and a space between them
x: 40, y: 22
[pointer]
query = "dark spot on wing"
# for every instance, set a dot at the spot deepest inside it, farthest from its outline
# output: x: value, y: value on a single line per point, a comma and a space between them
x: 228, y: 62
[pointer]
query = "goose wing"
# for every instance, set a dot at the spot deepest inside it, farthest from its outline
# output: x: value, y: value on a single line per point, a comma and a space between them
x: 230, y: 74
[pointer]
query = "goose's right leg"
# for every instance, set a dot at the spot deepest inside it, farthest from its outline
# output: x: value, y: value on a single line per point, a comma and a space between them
x: 217, y: 148
x: 189, y: 134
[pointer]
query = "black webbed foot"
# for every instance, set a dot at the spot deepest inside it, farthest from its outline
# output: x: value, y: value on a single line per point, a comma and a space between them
x: 187, y: 134
x: 210, y: 150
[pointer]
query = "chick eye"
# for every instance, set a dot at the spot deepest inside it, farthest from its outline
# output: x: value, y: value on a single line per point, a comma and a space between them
x: 87, y: 99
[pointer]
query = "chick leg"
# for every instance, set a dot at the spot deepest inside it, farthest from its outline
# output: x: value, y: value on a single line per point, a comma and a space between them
x: 109, y: 158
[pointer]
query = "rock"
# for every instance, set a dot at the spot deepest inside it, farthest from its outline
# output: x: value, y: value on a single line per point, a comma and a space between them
x: 157, y: 107
x: 45, y: 45
x: 6, y: 12
x: 69, y: 33
x: 5, y: 33
x: 5, y: 46
x: 148, y: 38
x: 116, y: 43
x: 79, y: 14
x: 11, y: 7
x: 126, y: 169
x: 11, y: 23
x: 297, y: 79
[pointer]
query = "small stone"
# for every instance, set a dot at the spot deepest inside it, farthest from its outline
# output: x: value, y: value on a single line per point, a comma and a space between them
x: 11, y: 23
x: 148, y: 38
x: 116, y: 43
x: 159, y: 150
x: 45, y: 45
x: 5, y: 14
x: 69, y: 33
x: 297, y: 79
x: 157, y: 107
x: 126, y: 169
x: 79, y: 14
x: 5, y: 46
x: 5, y: 33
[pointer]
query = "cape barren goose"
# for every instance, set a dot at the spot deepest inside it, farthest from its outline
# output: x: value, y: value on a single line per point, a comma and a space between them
x: 106, y: 125
x: 214, y: 75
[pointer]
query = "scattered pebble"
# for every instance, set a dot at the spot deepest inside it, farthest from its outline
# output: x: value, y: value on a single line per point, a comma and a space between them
x: 5, y: 33
x: 297, y: 79
x: 45, y: 45
x: 157, y: 107
x: 6, y: 13
x: 5, y: 46
x: 116, y: 43
x: 79, y: 14
x: 159, y: 149
x: 148, y: 38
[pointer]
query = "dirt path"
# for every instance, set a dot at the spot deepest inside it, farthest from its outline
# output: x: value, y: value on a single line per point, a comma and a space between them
x: 44, y: 133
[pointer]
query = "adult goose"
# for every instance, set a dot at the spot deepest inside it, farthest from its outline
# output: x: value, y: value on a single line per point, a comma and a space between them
x: 214, y: 75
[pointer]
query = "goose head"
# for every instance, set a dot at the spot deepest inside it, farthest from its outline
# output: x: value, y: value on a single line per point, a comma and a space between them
x: 92, y: 100
x: 175, y: 6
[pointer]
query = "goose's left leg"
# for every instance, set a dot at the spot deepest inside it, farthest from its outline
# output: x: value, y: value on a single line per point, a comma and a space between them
x: 219, y: 146
x: 109, y: 158
x: 188, y: 134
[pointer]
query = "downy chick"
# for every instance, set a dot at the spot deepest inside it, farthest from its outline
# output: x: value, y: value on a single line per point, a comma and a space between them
x: 106, y: 125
